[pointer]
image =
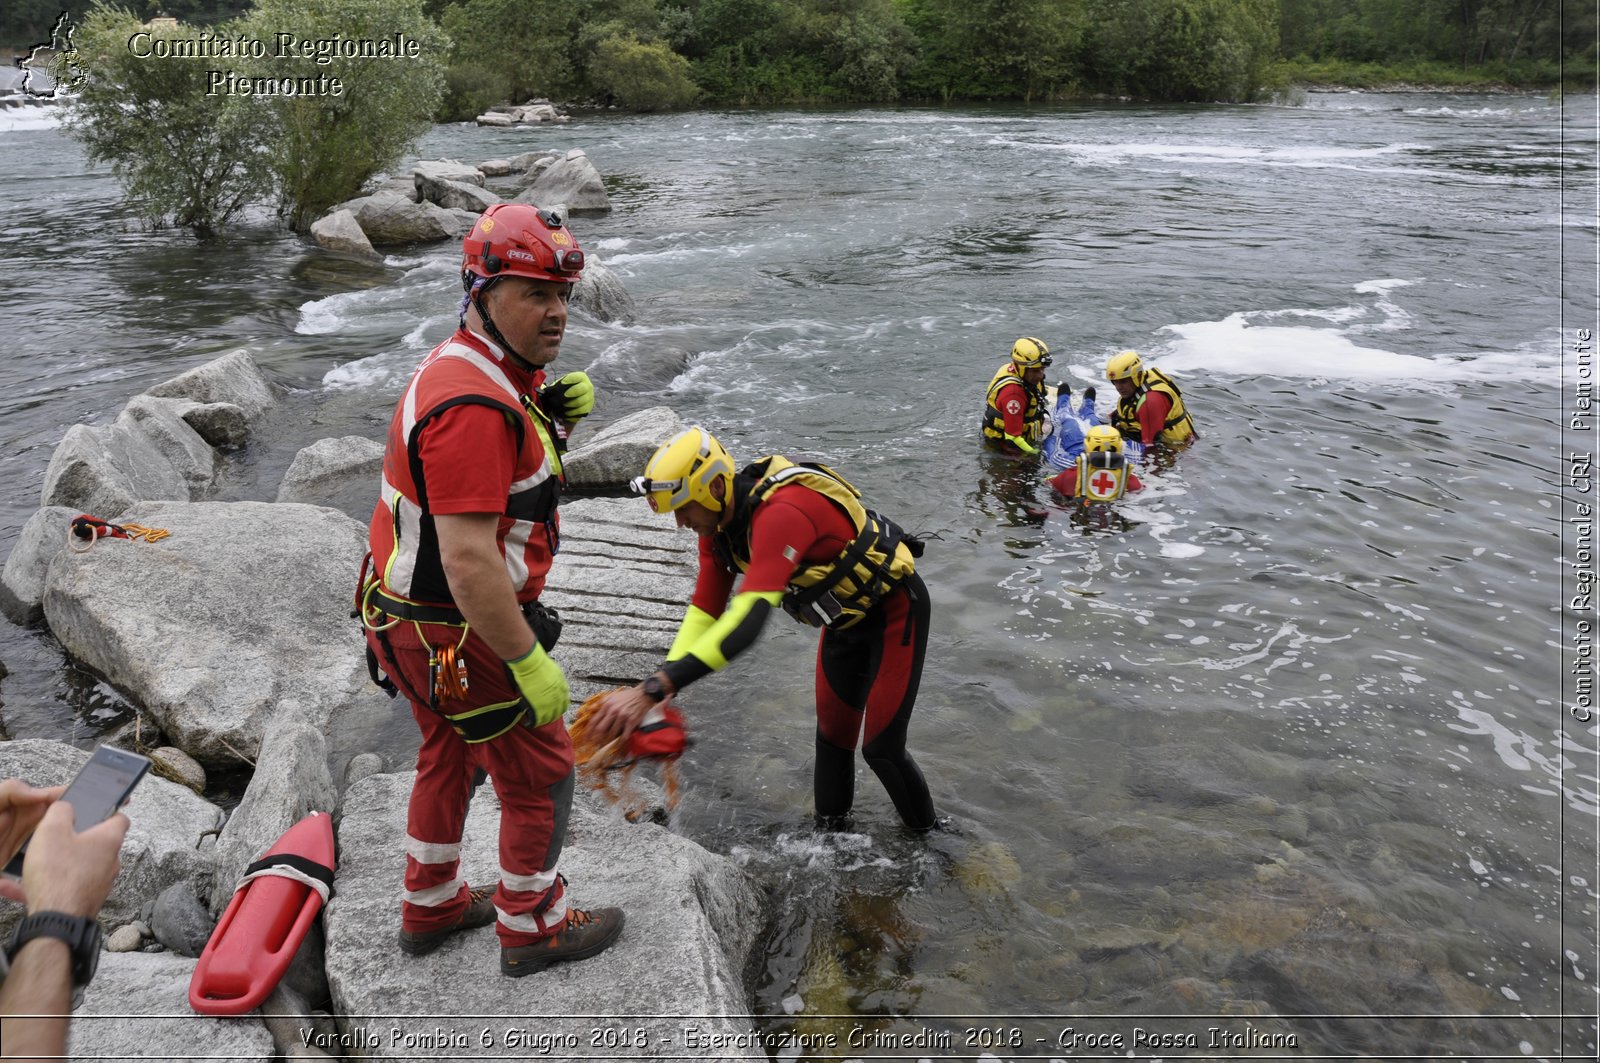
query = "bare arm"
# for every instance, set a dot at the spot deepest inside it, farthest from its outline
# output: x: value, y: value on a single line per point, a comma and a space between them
x: 64, y: 872
x: 479, y: 583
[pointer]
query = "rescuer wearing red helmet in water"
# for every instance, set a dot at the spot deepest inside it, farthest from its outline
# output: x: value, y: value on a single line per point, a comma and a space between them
x: 461, y: 541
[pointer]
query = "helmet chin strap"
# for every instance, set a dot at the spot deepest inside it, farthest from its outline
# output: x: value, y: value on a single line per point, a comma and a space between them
x: 482, y: 306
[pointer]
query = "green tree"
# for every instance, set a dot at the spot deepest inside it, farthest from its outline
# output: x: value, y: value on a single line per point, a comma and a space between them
x: 1195, y: 50
x: 502, y: 53
x: 324, y: 147
x: 995, y: 49
x: 642, y: 77
x: 183, y: 157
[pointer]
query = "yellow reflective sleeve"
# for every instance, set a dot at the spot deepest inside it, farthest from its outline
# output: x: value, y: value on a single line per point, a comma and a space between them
x: 695, y: 623
x: 709, y: 648
x: 1023, y: 445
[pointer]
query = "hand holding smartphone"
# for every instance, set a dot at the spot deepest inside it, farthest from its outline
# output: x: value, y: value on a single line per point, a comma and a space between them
x: 102, y: 787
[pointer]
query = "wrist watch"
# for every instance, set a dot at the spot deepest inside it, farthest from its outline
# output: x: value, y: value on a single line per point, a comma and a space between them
x: 655, y: 690
x: 81, y: 935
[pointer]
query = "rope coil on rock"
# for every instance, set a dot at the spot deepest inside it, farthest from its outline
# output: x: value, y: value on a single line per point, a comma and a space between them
x: 85, y: 530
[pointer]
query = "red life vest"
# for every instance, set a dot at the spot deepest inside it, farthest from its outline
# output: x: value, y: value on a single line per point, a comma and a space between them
x: 465, y: 369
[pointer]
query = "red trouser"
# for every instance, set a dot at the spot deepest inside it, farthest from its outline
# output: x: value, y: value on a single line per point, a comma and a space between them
x: 532, y: 772
x: 867, y: 678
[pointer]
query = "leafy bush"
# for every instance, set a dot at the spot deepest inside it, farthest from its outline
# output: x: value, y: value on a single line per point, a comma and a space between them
x: 183, y: 157
x: 323, y: 148
x: 642, y: 77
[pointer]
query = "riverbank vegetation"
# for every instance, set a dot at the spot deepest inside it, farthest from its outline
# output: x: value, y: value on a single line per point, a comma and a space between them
x: 667, y: 54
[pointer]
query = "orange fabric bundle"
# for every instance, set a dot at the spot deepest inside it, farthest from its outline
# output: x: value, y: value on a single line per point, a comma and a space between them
x: 597, y: 758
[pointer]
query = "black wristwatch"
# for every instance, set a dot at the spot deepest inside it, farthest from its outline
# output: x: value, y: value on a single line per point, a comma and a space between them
x: 654, y: 690
x: 81, y: 935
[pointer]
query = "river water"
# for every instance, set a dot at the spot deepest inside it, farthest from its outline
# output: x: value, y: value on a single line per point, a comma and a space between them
x: 1276, y: 750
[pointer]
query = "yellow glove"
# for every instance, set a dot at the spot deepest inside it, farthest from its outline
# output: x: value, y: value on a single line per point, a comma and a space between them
x: 541, y: 683
x: 568, y: 397
x: 1023, y: 445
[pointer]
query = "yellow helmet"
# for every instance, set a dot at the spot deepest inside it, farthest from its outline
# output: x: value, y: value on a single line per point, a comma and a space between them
x: 1125, y: 365
x: 1030, y: 353
x: 1102, y: 437
x: 683, y: 469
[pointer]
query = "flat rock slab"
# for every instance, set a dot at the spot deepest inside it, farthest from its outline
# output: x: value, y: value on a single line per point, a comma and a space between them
x: 137, y: 1007
x: 245, y: 607
x: 621, y: 583
x: 691, y: 923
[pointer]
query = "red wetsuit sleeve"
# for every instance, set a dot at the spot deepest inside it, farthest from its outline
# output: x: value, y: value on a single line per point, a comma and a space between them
x: 794, y: 525
x: 1133, y: 482
x: 1065, y: 482
x: 1153, y: 415
x: 714, y: 583
x: 1012, y: 404
x: 468, y: 456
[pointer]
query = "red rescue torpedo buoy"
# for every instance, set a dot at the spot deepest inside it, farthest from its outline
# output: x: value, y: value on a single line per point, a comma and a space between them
x: 271, y: 910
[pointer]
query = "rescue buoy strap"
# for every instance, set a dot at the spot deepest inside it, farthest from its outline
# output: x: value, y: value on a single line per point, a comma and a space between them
x: 318, y: 876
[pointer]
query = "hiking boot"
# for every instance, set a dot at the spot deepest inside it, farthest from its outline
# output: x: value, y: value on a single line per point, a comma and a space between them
x: 585, y: 934
x: 478, y: 912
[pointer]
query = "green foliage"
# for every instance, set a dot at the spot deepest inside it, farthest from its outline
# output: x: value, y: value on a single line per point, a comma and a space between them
x: 529, y: 56
x: 995, y: 49
x: 774, y: 52
x: 323, y: 148
x: 184, y: 158
x: 642, y: 77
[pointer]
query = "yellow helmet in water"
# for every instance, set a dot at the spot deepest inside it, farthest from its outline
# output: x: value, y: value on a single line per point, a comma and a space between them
x: 1030, y: 353
x: 1125, y: 365
x: 683, y: 469
x: 1102, y: 437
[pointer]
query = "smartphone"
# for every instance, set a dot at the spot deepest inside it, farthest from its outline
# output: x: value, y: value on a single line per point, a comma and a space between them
x: 102, y: 787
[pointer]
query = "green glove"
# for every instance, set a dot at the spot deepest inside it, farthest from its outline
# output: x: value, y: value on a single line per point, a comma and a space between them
x: 568, y: 397
x: 1023, y: 445
x: 541, y: 683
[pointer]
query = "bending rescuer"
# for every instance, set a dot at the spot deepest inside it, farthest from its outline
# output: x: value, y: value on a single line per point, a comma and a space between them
x: 804, y: 542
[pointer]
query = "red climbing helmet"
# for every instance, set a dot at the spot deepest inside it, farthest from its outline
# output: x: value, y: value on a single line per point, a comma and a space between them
x: 521, y: 240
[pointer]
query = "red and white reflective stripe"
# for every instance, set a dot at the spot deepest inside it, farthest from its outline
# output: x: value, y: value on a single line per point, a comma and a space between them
x: 550, y: 919
x: 437, y: 895
x: 432, y: 852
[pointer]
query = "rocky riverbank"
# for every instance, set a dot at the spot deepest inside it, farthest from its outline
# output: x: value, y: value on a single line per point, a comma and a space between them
x: 232, y: 635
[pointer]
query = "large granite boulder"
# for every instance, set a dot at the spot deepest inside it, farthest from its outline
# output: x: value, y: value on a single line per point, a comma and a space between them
x: 692, y: 917
x: 456, y: 195
x: 102, y: 470
x: 572, y: 180
x: 633, y: 567
x: 340, y: 231
x: 618, y: 452
x: 22, y: 583
x: 137, y: 1007
x: 291, y: 781
x: 159, y: 447
x: 330, y: 466
x: 600, y: 292
x: 243, y: 608
x: 166, y: 824
x: 185, y: 449
x: 390, y: 219
x: 233, y: 380
x: 453, y: 185
x: 430, y: 171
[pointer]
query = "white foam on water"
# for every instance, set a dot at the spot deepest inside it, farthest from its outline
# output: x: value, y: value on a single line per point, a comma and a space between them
x: 22, y: 119
x: 1256, y: 343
